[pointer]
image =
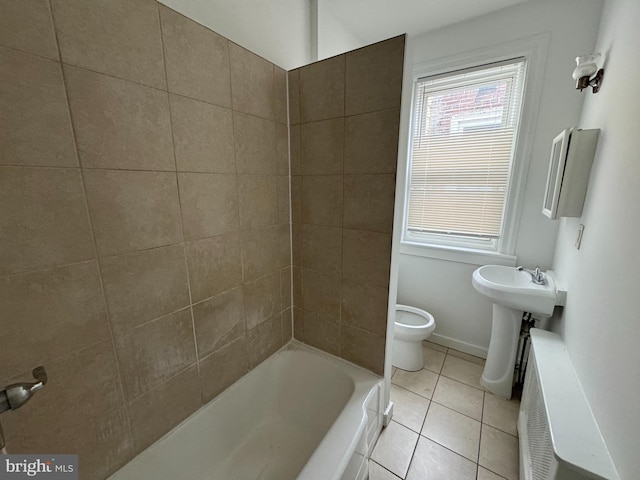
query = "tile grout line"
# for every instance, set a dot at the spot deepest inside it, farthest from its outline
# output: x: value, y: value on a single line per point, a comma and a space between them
x: 148, y: 170
x: 451, y: 450
x: 59, y: 358
x: 444, y: 446
x: 160, y: 383
x: 152, y: 170
x: 105, y: 304
x: 484, y: 396
x: 245, y: 330
x: 481, y: 422
x: 138, y: 83
x: 385, y: 468
x: 167, y: 90
x: 344, y: 106
x: 290, y: 194
x: 45, y: 268
x: 345, y: 115
x: 413, y: 454
x: 420, y: 434
x: 184, y: 240
x: 34, y: 54
x: 288, y: 197
x: 456, y: 411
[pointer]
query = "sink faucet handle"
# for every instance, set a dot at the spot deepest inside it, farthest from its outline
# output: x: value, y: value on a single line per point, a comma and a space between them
x: 537, y: 276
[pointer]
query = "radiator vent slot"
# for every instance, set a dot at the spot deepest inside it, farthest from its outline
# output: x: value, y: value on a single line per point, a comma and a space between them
x: 538, y: 431
x: 554, y: 413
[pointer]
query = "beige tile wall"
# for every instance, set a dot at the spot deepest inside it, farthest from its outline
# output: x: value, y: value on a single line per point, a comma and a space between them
x: 344, y: 114
x: 144, y: 221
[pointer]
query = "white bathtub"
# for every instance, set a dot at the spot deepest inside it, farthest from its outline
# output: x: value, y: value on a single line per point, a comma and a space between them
x: 301, y: 414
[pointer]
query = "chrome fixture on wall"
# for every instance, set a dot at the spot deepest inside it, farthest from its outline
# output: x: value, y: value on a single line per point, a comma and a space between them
x: 17, y: 394
x: 537, y: 276
x: 585, y: 70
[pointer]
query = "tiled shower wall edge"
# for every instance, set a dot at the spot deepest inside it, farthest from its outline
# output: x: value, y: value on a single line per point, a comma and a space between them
x: 146, y: 274
x: 344, y: 120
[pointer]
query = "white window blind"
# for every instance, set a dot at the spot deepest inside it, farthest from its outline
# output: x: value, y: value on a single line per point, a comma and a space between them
x: 463, y: 137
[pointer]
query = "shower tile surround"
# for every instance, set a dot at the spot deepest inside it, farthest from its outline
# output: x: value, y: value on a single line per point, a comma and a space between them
x: 145, y: 254
x: 344, y: 114
x: 146, y: 250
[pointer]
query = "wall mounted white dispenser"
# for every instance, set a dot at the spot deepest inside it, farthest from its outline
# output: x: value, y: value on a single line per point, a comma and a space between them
x: 569, y: 168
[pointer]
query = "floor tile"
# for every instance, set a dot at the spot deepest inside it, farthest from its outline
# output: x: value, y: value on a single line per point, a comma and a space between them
x: 499, y: 452
x: 501, y: 414
x: 462, y: 370
x: 434, y: 462
x: 466, y: 356
x: 459, y: 397
x: 434, y: 346
x: 409, y: 409
x: 395, y: 448
x: 433, y: 359
x: 466, y: 433
x: 484, y: 474
x: 376, y: 472
x: 453, y: 430
x: 421, y: 382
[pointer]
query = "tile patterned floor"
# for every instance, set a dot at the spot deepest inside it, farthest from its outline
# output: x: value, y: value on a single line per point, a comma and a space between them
x: 445, y: 426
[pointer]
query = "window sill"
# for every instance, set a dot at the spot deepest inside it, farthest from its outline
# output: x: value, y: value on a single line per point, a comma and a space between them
x: 457, y: 254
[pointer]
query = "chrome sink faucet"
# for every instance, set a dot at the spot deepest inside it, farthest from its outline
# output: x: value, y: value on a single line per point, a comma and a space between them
x: 537, y: 276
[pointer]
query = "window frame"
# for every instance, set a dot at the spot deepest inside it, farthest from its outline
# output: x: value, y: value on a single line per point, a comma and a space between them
x: 490, y: 244
x: 533, y: 50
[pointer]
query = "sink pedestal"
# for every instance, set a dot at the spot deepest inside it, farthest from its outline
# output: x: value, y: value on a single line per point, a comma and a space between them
x: 512, y: 291
x: 497, y: 376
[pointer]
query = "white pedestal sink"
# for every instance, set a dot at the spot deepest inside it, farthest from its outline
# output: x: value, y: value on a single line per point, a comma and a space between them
x: 512, y: 293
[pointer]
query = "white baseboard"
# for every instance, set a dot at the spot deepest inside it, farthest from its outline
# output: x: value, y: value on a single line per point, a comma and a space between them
x: 458, y: 345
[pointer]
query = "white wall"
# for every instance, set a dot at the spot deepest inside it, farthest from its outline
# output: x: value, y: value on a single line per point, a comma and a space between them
x: 279, y: 31
x: 601, y: 321
x: 444, y: 287
x: 334, y: 38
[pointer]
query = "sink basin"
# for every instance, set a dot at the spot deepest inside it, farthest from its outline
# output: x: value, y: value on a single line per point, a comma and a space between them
x: 512, y: 292
x: 514, y: 289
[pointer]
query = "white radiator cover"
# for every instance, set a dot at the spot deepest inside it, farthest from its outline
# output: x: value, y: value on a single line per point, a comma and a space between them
x: 559, y: 437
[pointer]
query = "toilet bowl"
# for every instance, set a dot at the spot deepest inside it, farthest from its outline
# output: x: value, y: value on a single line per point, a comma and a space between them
x: 411, y: 327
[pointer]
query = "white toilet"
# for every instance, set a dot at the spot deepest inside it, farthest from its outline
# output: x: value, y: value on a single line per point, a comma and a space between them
x: 412, y: 326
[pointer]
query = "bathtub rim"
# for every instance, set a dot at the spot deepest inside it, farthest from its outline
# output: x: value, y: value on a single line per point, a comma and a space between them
x: 364, y: 381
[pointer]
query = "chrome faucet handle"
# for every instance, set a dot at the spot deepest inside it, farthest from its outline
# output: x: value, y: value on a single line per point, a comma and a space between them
x: 537, y: 276
x: 40, y: 374
x: 17, y: 394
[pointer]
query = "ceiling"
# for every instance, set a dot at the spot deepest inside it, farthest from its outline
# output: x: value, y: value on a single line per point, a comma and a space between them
x: 279, y: 30
x: 374, y: 20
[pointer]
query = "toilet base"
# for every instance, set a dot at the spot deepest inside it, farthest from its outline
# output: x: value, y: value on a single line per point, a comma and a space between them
x: 407, y: 355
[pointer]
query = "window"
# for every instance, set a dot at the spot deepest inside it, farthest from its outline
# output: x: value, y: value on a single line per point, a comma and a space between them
x: 463, y: 138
